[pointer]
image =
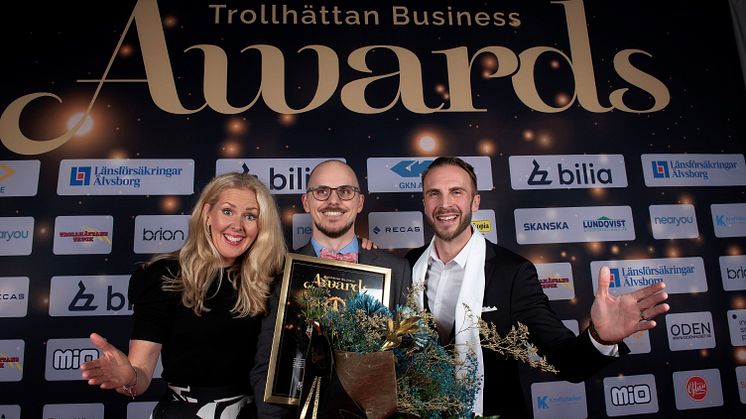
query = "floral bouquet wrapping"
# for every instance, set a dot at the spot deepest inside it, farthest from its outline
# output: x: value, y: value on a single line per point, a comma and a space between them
x: 364, y: 361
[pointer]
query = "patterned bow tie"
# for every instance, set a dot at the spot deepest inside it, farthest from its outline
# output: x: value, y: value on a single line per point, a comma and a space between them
x: 330, y: 254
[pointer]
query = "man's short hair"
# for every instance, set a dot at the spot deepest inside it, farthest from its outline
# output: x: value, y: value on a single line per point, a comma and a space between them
x: 453, y: 161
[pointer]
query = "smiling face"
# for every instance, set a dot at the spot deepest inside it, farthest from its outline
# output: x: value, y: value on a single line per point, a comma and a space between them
x: 449, y: 200
x: 233, y: 223
x: 333, y: 218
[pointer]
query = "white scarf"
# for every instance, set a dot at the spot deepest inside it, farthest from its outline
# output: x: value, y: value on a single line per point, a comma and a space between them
x: 471, y: 295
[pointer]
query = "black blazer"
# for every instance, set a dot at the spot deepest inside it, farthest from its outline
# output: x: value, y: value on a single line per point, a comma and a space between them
x: 512, y: 286
x: 401, y: 280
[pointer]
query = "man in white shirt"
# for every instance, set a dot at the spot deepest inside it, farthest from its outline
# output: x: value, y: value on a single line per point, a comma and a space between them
x: 460, y: 268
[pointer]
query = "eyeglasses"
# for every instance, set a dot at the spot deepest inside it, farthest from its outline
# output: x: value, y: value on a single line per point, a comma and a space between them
x: 344, y: 192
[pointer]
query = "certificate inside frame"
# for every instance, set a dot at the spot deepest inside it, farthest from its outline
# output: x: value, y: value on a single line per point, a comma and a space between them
x: 342, y: 279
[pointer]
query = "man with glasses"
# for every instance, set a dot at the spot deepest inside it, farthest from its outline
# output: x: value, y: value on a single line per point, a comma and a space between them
x: 333, y: 199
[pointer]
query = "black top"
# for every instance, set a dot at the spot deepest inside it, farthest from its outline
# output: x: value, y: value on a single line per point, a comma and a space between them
x: 213, y: 349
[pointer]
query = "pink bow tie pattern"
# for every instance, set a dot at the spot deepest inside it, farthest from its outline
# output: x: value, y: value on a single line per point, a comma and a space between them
x: 330, y: 254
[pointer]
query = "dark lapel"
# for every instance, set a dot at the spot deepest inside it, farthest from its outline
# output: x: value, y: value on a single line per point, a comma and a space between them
x: 306, y: 250
x: 490, y: 263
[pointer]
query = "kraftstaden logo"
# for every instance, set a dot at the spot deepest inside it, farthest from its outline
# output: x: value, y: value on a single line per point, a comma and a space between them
x: 160, y: 233
x: 95, y: 295
x: 11, y: 360
x: 573, y: 224
x: 673, y: 221
x: 729, y: 220
x: 397, y: 229
x: 697, y: 389
x: 16, y: 236
x: 693, y: 169
x: 83, y: 235
x: 630, y: 395
x: 126, y: 177
x: 19, y: 177
x: 556, y: 399
x: 688, y: 331
x: 567, y: 171
x: 556, y: 280
x: 403, y: 174
x: 681, y: 275
x: 282, y: 176
x: 14, y: 296
x: 733, y: 272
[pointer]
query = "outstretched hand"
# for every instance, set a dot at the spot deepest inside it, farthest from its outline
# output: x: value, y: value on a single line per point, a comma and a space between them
x: 615, y: 318
x: 111, y: 370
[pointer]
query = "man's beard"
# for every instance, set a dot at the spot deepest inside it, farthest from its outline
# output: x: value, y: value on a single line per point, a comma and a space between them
x: 335, y: 234
x: 445, y: 236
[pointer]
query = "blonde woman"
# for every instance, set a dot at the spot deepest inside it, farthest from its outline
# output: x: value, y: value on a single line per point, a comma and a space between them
x: 200, y: 308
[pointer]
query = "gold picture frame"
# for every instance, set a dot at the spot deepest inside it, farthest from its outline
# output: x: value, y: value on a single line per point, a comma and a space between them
x: 287, y: 359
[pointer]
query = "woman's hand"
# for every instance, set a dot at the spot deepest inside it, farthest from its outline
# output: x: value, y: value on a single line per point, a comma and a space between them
x: 111, y: 370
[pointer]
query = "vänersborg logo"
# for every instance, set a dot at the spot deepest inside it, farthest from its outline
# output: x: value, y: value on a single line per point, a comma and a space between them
x: 660, y: 169
x: 80, y: 176
x: 411, y: 168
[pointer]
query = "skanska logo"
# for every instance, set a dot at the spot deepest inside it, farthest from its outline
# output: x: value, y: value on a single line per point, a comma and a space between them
x: 80, y: 176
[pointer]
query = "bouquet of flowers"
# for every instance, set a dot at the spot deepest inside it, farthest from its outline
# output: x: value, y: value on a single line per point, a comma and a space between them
x: 393, y: 363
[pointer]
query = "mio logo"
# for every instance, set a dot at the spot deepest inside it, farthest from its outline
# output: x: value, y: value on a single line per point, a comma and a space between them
x: 630, y: 395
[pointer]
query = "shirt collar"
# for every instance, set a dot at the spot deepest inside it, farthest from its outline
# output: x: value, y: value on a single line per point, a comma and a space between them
x: 351, y: 247
x: 461, y: 257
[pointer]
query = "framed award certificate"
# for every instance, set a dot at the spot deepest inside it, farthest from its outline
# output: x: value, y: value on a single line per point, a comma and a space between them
x: 341, y: 280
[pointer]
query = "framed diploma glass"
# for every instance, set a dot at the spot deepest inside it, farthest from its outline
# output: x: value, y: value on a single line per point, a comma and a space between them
x: 342, y: 280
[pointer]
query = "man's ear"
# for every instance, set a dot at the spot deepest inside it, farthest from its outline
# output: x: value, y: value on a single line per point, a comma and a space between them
x: 360, y: 202
x: 475, y: 202
x: 304, y: 201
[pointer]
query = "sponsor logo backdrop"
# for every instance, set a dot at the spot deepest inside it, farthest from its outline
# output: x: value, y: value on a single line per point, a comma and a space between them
x: 600, y: 135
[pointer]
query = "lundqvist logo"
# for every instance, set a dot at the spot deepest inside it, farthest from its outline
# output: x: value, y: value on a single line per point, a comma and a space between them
x: 660, y: 169
x: 80, y: 176
x: 605, y: 224
x: 411, y: 168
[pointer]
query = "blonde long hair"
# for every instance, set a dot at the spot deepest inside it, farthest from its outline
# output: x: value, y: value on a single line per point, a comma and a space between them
x: 251, y: 274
